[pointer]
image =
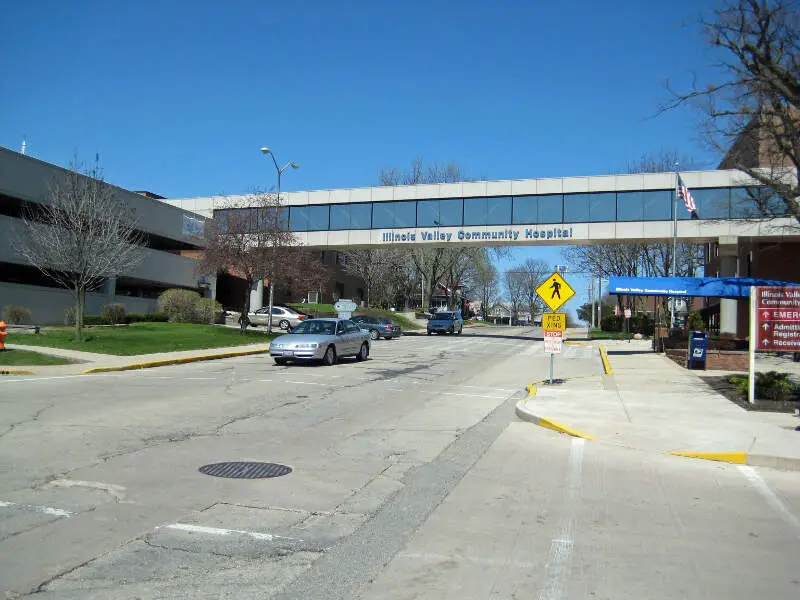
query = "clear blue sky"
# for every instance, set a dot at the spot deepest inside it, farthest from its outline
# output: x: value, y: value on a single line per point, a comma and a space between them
x: 178, y: 97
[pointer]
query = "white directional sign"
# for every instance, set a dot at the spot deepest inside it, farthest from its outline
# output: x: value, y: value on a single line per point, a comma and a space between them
x: 345, y: 308
x: 552, y: 342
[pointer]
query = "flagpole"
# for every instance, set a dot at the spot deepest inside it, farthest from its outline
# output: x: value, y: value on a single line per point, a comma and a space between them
x: 674, y: 243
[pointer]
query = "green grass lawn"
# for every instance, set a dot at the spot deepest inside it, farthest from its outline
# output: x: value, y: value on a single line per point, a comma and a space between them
x: 599, y: 334
x: 141, y: 338
x: 28, y: 358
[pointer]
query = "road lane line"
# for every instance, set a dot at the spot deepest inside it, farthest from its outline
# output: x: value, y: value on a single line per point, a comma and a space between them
x: 220, y: 531
x: 772, y: 499
x: 561, y: 546
x: 48, y: 510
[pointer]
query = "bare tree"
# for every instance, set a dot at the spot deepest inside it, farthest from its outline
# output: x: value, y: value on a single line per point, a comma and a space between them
x: 82, y: 236
x: 251, y: 240
x: 485, y: 283
x: 374, y: 266
x: 516, y: 286
x: 752, y: 111
x: 534, y: 272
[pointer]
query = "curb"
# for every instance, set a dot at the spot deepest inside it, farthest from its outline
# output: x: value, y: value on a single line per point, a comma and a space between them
x: 524, y: 414
x: 606, y: 363
x: 783, y: 463
x: 16, y: 372
x: 173, y: 361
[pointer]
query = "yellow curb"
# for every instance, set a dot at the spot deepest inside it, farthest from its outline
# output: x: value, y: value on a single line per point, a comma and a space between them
x: 16, y: 372
x: 578, y: 344
x: 561, y: 428
x: 173, y: 361
x: 606, y: 364
x: 739, y: 458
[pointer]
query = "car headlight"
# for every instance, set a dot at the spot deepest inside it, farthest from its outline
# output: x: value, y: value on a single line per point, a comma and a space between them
x: 307, y: 346
x: 277, y: 345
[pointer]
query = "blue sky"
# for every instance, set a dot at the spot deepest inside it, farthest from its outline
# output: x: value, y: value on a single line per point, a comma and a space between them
x: 178, y: 97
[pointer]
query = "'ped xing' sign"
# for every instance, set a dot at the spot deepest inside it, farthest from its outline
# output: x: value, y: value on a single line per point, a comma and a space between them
x: 554, y: 321
x: 555, y: 291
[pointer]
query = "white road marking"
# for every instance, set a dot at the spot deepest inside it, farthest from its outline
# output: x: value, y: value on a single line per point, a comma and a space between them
x: 200, y: 378
x: 561, y: 546
x: 472, y: 395
x: 766, y: 492
x: 14, y: 379
x: 48, y: 510
x: 118, y: 491
x: 220, y: 531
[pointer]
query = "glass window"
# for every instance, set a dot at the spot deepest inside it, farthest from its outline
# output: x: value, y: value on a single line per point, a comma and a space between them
x: 602, y: 207
x: 630, y: 206
x: 439, y: 213
x: 712, y: 203
x: 551, y: 208
x: 487, y: 211
x: 394, y: 214
x: 656, y: 205
x: 298, y: 218
x: 269, y: 217
x: 755, y: 202
x: 526, y: 209
x: 576, y: 208
x: 351, y: 216
x: 318, y: 217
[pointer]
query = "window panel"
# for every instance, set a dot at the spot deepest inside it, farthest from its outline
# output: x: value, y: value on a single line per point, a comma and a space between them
x: 439, y: 213
x: 351, y: 216
x: 298, y: 218
x: 318, y: 217
x: 576, y: 208
x: 394, y: 214
x: 712, y: 203
x: 526, y: 210
x: 487, y: 211
x: 630, y: 206
x: 755, y: 202
x: 656, y: 205
x: 551, y: 209
x: 602, y: 207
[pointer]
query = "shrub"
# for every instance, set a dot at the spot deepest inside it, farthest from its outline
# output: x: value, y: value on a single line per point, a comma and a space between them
x: 612, y: 323
x: 771, y: 385
x: 695, y: 322
x: 94, y: 320
x: 207, y: 311
x: 113, y: 314
x: 17, y: 315
x: 156, y: 317
x: 179, y: 305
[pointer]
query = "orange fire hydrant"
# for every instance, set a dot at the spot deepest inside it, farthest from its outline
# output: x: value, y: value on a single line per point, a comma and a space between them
x: 3, y: 334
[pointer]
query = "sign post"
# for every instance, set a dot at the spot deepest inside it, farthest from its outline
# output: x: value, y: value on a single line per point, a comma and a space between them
x: 774, y: 325
x: 554, y: 292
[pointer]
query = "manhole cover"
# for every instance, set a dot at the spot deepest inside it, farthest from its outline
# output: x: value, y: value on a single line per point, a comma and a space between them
x: 245, y: 470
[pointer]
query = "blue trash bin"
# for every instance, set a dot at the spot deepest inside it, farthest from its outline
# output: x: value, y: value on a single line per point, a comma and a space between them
x: 698, y: 346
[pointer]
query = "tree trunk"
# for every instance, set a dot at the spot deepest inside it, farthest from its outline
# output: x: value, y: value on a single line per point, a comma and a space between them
x: 80, y: 301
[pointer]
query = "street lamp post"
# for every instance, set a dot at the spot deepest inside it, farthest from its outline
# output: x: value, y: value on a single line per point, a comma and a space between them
x: 279, y: 171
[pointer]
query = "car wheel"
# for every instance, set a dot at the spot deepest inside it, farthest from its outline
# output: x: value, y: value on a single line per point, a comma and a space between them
x: 280, y: 361
x: 373, y: 334
x: 363, y: 353
x: 451, y: 331
x: 330, y: 356
x: 284, y: 324
x: 460, y: 329
x: 430, y: 332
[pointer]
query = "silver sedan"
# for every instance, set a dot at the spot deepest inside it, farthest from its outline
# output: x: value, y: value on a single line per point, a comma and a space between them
x: 321, y: 339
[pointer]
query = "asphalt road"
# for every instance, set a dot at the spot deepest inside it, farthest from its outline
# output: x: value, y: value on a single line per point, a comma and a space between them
x: 411, y: 479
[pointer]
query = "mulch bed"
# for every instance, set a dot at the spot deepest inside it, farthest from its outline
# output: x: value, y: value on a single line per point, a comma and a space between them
x: 723, y: 386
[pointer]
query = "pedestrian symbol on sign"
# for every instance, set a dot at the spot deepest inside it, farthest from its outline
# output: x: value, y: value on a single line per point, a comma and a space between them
x: 556, y: 287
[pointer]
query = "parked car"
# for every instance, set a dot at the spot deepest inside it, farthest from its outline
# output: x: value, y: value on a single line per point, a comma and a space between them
x: 449, y: 321
x: 326, y: 340
x: 378, y: 327
x: 282, y: 316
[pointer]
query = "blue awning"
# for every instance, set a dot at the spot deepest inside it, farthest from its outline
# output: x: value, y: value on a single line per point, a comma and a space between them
x: 713, y: 287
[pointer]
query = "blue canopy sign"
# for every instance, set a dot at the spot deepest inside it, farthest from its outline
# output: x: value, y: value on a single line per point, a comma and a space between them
x: 710, y: 287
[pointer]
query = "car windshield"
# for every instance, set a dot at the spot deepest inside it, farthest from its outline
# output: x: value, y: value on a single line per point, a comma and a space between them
x: 445, y: 316
x: 316, y: 327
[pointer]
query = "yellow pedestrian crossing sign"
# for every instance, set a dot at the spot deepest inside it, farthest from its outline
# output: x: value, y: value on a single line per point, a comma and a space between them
x: 555, y: 291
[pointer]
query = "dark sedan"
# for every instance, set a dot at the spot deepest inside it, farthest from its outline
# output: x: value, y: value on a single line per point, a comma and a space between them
x: 378, y: 327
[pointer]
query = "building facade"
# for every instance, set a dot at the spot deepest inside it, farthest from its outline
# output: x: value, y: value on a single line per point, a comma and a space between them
x: 173, y: 242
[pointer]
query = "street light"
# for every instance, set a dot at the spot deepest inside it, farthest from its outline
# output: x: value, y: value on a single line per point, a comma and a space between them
x: 279, y: 171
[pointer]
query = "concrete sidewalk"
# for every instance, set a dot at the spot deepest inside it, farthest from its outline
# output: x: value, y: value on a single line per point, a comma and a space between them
x: 90, y: 362
x: 652, y: 404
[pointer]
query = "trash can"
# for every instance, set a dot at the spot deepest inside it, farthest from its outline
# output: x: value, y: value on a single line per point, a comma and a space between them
x: 698, y: 345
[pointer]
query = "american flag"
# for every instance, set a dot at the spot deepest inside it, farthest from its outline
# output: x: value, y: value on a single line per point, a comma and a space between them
x: 685, y: 195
